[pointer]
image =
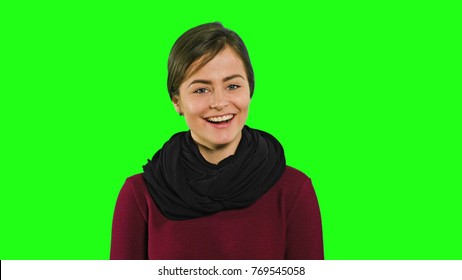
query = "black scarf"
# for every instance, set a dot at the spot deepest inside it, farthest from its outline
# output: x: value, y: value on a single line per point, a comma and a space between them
x: 184, y: 185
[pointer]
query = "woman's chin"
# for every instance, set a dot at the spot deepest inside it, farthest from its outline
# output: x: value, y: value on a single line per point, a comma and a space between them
x: 223, y: 139
x: 220, y: 142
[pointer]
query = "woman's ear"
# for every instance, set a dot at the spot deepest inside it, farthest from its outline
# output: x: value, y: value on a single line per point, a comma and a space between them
x: 176, y: 104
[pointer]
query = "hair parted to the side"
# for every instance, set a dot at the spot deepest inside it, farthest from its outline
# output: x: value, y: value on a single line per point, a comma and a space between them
x: 203, y: 42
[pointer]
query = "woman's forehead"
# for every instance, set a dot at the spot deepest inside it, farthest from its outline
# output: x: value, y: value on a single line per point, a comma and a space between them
x: 227, y: 60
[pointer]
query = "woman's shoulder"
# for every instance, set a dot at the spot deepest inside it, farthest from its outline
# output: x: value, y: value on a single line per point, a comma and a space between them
x: 293, y: 183
x: 135, y: 185
x: 294, y: 177
x: 134, y: 194
x: 136, y: 180
x: 296, y: 190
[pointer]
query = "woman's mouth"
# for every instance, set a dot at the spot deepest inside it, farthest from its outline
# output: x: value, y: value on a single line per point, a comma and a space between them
x: 221, y: 119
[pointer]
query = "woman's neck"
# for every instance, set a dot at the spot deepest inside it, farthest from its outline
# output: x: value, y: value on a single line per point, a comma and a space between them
x: 218, y: 153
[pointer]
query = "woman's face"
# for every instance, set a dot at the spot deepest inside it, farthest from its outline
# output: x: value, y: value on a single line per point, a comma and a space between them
x: 215, y: 101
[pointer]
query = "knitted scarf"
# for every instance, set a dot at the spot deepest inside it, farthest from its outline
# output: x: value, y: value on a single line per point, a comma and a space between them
x: 184, y: 185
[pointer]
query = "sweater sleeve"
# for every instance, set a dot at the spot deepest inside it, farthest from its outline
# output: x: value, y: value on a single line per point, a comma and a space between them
x: 129, y: 226
x: 304, y: 231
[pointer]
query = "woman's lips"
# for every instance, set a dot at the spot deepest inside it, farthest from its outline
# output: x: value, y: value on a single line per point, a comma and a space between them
x: 220, y: 118
x: 220, y: 122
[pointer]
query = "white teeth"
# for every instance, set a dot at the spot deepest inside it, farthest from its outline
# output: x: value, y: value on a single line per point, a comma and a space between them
x: 220, y: 119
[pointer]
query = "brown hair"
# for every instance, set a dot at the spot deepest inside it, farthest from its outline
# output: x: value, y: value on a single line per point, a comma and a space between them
x: 203, y: 42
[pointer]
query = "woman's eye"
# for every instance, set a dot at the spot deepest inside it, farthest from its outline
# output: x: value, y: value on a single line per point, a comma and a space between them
x: 233, y: 87
x: 201, y: 90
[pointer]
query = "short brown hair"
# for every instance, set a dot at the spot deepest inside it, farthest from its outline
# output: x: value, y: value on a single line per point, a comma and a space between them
x: 203, y: 42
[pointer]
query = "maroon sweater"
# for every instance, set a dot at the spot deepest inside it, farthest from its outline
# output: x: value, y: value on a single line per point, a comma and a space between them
x: 284, y: 223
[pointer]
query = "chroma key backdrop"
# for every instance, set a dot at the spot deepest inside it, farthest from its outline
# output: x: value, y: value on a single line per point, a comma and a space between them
x: 364, y: 97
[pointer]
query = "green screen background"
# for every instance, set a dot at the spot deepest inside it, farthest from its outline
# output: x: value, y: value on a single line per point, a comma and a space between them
x: 364, y: 97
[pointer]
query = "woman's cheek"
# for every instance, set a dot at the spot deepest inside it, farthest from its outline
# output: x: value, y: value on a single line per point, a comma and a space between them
x: 190, y: 104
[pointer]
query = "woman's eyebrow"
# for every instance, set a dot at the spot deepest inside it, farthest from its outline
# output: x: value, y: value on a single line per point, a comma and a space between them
x: 232, y: 77
x: 208, y: 82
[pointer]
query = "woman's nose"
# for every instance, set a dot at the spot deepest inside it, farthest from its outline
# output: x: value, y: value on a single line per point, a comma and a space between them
x: 218, y: 100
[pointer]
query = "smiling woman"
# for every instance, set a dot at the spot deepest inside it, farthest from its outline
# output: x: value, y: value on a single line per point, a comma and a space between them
x: 215, y: 102
x: 221, y: 190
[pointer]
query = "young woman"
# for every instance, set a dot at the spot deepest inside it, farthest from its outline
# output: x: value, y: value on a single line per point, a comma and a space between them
x: 221, y: 190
